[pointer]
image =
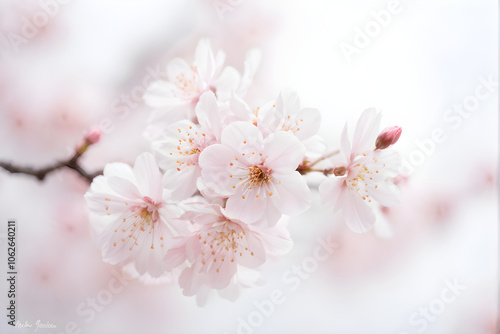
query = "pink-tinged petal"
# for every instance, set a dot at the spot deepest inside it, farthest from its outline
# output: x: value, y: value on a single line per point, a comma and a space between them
x: 124, y: 187
x: 108, y: 204
x: 119, y: 169
x: 345, y: 144
x: 148, y: 177
x: 214, y: 162
x: 208, y: 113
x: 181, y: 183
x: 190, y: 280
x: 366, y: 132
x: 161, y: 93
x: 288, y: 104
x: 276, y: 240
x: 292, y: 195
x: 330, y: 190
x: 246, y: 206
x: 178, y: 67
x: 240, y: 109
x: 271, y: 215
x: 309, y: 121
x: 255, y: 255
x: 227, y: 83
x: 176, y: 255
x: 221, y: 273
x: 357, y: 214
x: 204, y: 60
x: 241, y: 136
x: 392, y: 160
x: 283, y: 152
x: 251, y: 64
x: 386, y: 194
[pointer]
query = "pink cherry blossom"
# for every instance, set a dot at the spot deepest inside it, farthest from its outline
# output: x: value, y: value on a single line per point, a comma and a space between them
x: 179, y: 147
x: 257, y: 175
x: 177, y: 96
x: 217, y: 244
x: 365, y: 178
x: 133, y: 215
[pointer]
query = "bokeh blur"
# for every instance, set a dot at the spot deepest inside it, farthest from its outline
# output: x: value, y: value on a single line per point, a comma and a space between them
x: 430, y: 66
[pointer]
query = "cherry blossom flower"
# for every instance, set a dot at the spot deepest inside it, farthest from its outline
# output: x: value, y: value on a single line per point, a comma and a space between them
x: 283, y: 114
x: 365, y: 178
x: 176, y: 97
x: 134, y: 218
x: 257, y: 175
x: 179, y: 147
x: 217, y: 245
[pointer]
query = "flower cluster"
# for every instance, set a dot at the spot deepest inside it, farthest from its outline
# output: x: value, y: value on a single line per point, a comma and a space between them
x: 210, y: 203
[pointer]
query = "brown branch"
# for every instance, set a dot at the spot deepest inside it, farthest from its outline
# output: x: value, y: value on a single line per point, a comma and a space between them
x: 71, y: 163
x: 41, y: 173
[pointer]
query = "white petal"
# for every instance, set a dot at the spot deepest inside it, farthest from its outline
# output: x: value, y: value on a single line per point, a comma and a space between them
x: 214, y: 162
x: 330, y: 190
x: 182, y: 183
x: 227, y: 83
x: 124, y: 188
x: 252, y: 61
x: 148, y: 177
x: 357, y: 214
x: 240, y: 135
x: 208, y: 114
x: 367, y: 130
x: 284, y: 152
x: 292, y: 195
x: 386, y: 194
x: 161, y: 93
x: 345, y: 144
x: 309, y: 121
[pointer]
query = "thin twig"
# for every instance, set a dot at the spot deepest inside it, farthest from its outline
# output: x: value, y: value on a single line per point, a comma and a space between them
x: 331, y: 154
x: 41, y: 173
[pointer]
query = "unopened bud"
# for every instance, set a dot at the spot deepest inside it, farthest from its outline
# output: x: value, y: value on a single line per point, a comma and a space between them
x: 93, y: 136
x: 389, y: 136
x: 339, y: 171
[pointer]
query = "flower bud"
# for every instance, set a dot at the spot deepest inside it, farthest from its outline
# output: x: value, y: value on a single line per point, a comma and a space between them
x: 388, y: 137
x: 93, y: 136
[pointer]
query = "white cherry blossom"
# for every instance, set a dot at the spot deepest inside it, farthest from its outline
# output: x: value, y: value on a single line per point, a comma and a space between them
x: 257, y: 175
x: 365, y: 178
x: 134, y: 217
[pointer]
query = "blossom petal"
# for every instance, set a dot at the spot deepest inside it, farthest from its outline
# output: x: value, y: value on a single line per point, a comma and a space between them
x: 214, y: 161
x: 148, y: 176
x: 292, y: 195
x: 357, y: 214
x: 309, y: 120
x: 239, y: 135
x: 284, y: 152
x: 367, y: 130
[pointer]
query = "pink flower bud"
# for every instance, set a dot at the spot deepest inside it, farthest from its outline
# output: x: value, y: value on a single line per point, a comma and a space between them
x: 388, y: 137
x: 93, y: 136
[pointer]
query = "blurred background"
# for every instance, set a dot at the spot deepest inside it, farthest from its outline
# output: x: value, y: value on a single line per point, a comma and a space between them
x: 429, y: 66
